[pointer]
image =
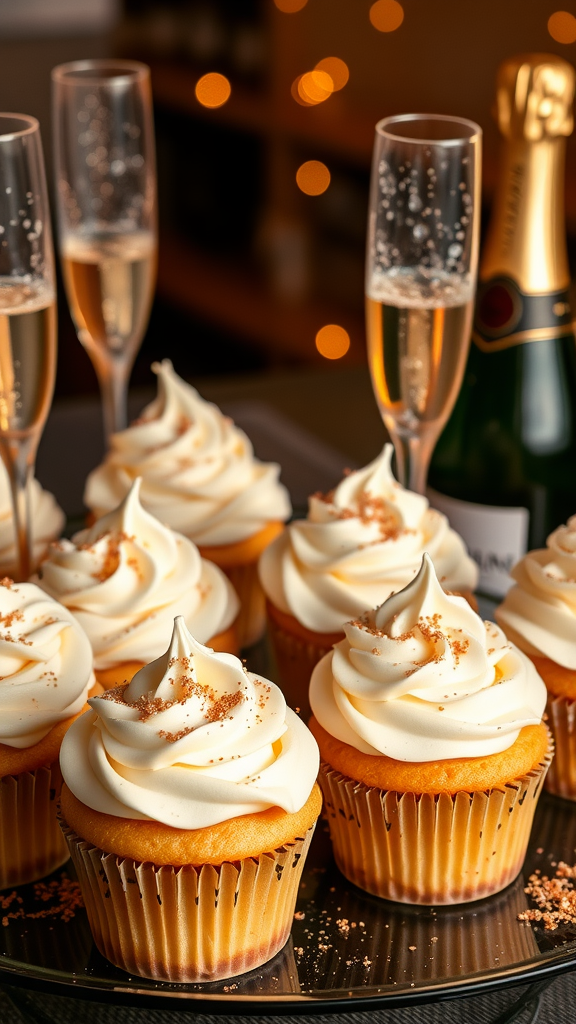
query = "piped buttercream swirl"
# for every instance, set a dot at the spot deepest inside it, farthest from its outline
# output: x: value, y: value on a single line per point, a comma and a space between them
x: 539, y: 611
x: 358, y: 545
x: 193, y: 740
x: 45, y: 664
x: 199, y: 473
x: 126, y: 578
x: 422, y: 678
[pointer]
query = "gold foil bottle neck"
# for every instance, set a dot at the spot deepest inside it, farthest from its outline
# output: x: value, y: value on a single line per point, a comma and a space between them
x: 534, y: 97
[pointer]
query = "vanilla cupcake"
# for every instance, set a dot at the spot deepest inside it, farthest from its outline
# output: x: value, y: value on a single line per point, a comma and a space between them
x: 47, y: 519
x: 45, y: 672
x: 359, y: 544
x: 126, y: 578
x: 433, y: 749
x: 539, y: 615
x: 200, y: 477
x: 189, y: 804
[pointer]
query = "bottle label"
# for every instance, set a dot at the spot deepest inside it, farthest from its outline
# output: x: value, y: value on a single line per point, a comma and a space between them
x: 505, y: 316
x: 496, y: 538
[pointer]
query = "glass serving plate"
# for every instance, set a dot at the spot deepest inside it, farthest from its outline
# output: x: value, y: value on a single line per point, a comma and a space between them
x: 347, y: 951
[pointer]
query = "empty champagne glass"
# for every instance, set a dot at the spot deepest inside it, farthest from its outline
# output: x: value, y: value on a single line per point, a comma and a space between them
x: 27, y: 314
x: 106, y: 186
x: 421, y: 264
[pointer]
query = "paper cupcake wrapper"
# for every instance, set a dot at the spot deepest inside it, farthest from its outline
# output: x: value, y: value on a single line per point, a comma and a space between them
x: 561, y: 778
x: 431, y: 848
x: 295, y: 660
x: 31, y: 842
x: 189, y: 924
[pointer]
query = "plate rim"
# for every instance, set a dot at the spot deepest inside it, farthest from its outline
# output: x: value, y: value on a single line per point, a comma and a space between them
x: 548, y: 966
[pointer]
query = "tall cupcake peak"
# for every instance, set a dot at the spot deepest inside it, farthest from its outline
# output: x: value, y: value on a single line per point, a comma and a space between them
x: 424, y: 600
x: 373, y: 495
x: 174, y: 677
x: 131, y: 520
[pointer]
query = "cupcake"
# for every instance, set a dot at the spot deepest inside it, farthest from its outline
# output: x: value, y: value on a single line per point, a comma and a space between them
x: 200, y: 477
x: 188, y: 806
x: 538, y: 614
x: 432, y: 748
x: 47, y: 523
x: 359, y: 544
x: 45, y: 671
x: 126, y: 578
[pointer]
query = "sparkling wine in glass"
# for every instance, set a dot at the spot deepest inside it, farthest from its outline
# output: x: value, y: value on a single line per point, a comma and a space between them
x: 27, y: 314
x: 106, y: 181
x: 421, y: 264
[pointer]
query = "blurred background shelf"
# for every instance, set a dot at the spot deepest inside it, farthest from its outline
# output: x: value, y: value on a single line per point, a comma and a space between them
x: 237, y: 301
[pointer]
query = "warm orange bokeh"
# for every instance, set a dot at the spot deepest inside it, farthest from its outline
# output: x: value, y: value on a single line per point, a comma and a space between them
x: 213, y: 90
x: 313, y: 177
x: 337, y: 69
x: 332, y: 341
x: 295, y: 91
x: 315, y: 87
x: 562, y: 27
x: 290, y: 6
x: 386, y: 15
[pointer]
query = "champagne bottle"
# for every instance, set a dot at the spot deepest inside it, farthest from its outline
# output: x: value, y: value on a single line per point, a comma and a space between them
x: 504, y: 469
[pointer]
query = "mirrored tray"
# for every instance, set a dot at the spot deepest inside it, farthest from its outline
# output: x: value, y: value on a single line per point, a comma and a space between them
x: 347, y: 950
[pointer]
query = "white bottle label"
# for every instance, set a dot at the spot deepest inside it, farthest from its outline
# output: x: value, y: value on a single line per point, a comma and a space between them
x: 496, y: 538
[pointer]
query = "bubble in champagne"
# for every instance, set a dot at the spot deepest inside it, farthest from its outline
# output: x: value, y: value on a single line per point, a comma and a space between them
x: 420, y: 232
x: 414, y: 204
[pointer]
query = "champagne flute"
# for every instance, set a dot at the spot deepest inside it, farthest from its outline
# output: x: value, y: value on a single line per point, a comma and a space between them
x: 106, y: 185
x: 422, y: 258
x: 27, y: 315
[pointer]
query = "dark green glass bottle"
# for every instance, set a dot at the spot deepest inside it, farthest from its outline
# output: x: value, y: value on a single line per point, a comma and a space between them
x: 504, y: 469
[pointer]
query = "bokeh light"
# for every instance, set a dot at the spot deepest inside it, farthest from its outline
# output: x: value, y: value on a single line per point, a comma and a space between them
x: 337, y: 69
x: 295, y: 90
x: 332, y: 341
x: 315, y: 87
x: 386, y: 15
x: 313, y: 177
x: 290, y: 6
x: 562, y: 27
x: 213, y: 90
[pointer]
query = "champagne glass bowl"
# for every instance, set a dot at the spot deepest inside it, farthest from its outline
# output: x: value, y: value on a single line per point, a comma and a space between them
x: 27, y: 314
x: 421, y: 263
x: 106, y: 189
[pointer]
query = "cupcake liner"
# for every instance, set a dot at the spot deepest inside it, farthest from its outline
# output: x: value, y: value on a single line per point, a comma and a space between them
x: 31, y: 842
x: 430, y: 848
x: 295, y: 660
x: 189, y: 924
x: 251, y: 621
x: 561, y: 778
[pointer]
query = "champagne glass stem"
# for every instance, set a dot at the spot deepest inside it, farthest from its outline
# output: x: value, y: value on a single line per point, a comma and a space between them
x: 413, y: 454
x: 18, y: 457
x: 113, y: 379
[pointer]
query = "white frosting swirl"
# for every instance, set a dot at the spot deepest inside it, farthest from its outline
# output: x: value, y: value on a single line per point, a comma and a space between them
x: 198, y: 470
x: 539, y: 612
x: 194, y: 740
x: 358, y: 545
x: 45, y: 664
x: 422, y: 678
x: 47, y: 522
x: 128, y: 576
